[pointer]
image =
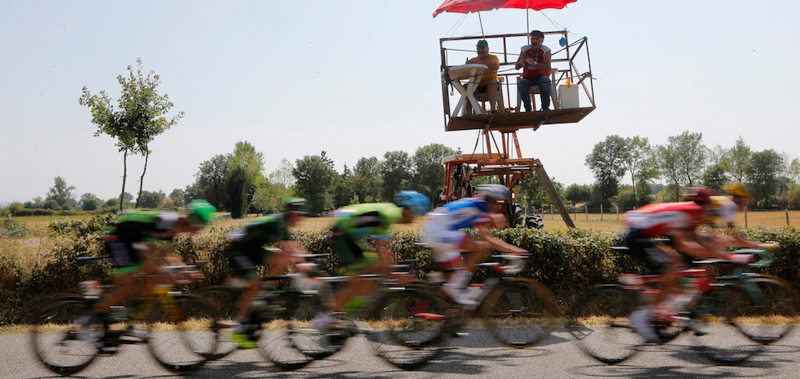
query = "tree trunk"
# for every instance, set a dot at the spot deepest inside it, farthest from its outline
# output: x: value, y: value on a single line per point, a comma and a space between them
x: 124, y: 177
x: 633, y: 181
x: 141, y: 179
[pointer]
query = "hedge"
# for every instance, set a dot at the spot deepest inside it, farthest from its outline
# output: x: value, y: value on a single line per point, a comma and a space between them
x: 567, y: 261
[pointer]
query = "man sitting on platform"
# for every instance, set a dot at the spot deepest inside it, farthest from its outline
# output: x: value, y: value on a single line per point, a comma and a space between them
x: 488, y: 82
x: 535, y: 61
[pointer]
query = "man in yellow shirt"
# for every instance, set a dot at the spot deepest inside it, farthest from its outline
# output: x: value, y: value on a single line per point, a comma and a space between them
x: 488, y: 82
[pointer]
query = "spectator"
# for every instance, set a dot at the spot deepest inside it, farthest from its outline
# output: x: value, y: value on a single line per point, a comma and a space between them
x: 535, y: 61
x: 488, y: 82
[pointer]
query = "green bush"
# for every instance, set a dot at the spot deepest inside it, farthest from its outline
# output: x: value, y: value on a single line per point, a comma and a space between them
x: 567, y: 261
x: 12, y: 229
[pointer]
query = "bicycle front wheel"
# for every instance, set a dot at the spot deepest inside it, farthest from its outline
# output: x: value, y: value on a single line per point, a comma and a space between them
x: 601, y: 326
x: 520, y: 313
x: 721, y: 341
x: 773, y: 314
x: 183, y: 333
x: 55, y: 337
x: 411, y: 327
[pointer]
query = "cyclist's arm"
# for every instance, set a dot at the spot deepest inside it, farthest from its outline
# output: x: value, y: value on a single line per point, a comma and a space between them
x: 382, y: 248
x: 695, y: 248
x: 293, y: 248
x: 496, y: 243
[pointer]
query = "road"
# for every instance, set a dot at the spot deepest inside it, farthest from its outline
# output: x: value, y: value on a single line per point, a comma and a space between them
x: 472, y: 356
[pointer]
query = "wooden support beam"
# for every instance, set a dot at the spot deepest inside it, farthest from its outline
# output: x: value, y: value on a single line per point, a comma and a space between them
x: 548, y: 185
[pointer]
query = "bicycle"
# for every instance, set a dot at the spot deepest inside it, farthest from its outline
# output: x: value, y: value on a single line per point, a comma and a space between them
x: 167, y: 315
x: 723, y: 300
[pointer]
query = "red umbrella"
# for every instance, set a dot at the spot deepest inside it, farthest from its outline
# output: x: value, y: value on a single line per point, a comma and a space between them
x: 468, y: 6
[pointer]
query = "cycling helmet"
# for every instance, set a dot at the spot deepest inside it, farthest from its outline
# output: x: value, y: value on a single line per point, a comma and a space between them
x: 413, y: 200
x: 698, y: 195
x: 738, y: 189
x: 297, y: 205
x: 493, y: 192
x: 200, y: 212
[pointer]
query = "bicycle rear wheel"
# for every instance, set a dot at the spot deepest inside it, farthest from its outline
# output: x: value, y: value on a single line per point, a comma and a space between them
x: 773, y: 313
x: 55, y: 340
x: 184, y: 335
x: 224, y: 299
x: 520, y: 313
x: 722, y: 342
x: 287, y: 336
x: 411, y: 328
x: 600, y: 325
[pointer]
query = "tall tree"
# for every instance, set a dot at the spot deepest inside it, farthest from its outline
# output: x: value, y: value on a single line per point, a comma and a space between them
x: 670, y: 169
x: 90, y: 202
x: 429, y: 169
x: 763, y: 172
x: 739, y: 160
x: 244, y: 175
x: 140, y: 117
x: 396, y: 173
x: 60, y: 192
x: 691, y: 156
x: 607, y: 163
x: 283, y: 174
x: 368, y: 176
x: 636, y: 155
x: 715, y: 178
x: 210, y: 181
x: 315, y: 178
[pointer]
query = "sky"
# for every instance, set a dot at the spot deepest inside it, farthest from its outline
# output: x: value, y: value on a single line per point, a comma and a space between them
x: 359, y: 78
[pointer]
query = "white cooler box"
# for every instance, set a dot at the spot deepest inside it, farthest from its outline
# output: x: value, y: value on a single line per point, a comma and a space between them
x: 568, y: 96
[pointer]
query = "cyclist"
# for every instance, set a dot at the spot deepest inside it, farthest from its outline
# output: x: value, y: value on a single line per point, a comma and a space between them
x: 441, y: 234
x: 678, y: 223
x: 366, y: 223
x: 127, y: 243
x: 246, y: 252
x: 724, y: 212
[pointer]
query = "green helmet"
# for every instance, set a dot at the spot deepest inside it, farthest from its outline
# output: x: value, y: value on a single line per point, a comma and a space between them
x: 296, y: 204
x: 200, y: 212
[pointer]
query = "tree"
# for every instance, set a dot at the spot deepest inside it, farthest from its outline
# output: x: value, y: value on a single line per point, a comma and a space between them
x: 283, y: 174
x: 344, y: 191
x: 739, y: 160
x: 367, y: 175
x: 177, y: 197
x: 61, y: 193
x: 691, y: 156
x: 141, y: 115
x: 668, y: 165
x: 315, y: 178
x: 793, y: 173
x: 637, y: 154
x: 429, y: 169
x: 210, y: 182
x: 270, y: 195
x: 606, y: 162
x: 244, y: 175
x: 90, y: 202
x: 578, y: 193
x: 151, y: 199
x: 531, y: 191
x: 715, y: 178
x: 396, y: 173
x: 762, y: 174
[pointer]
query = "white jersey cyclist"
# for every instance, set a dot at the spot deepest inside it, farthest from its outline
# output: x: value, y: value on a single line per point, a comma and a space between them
x: 440, y: 231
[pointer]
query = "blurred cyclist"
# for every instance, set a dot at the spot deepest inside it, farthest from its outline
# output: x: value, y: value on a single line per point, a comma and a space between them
x: 441, y: 234
x: 128, y: 244
x: 246, y: 252
x: 677, y: 222
x: 725, y: 210
x: 367, y: 223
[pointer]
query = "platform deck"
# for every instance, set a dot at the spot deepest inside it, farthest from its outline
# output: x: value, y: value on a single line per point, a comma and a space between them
x: 520, y: 120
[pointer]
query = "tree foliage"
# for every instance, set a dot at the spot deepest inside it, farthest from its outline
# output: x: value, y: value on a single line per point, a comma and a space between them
x: 762, y: 174
x: 315, y: 179
x: 607, y: 164
x: 60, y: 192
x: 429, y: 178
x: 396, y: 173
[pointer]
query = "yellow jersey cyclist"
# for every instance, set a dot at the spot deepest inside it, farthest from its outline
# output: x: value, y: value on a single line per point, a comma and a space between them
x: 246, y: 252
x: 725, y: 210
x: 127, y: 243
x: 368, y: 224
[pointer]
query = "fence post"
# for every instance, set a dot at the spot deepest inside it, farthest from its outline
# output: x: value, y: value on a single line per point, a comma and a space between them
x: 787, y: 216
x: 617, y: 209
x: 551, y: 211
x: 586, y: 208
x: 601, y: 211
x: 745, y: 217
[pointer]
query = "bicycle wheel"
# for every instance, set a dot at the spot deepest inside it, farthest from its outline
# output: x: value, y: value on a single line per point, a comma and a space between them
x: 773, y: 313
x: 224, y: 299
x: 600, y: 325
x: 722, y: 342
x: 519, y: 313
x: 287, y: 338
x: 183, y: 333
x: 411, y: 327
x: 55, y: 340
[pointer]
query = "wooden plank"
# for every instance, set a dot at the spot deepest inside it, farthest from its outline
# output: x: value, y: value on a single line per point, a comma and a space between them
x: 520, y: 120
x: 548, y: 185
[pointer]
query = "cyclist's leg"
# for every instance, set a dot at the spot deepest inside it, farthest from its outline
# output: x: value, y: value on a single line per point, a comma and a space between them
x: 642, y: 248
x: 355, y: 285
x: 127, y: 264
x: 243, y: 259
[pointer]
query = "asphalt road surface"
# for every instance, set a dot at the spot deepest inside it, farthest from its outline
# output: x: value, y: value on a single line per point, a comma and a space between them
x: 475, y: 356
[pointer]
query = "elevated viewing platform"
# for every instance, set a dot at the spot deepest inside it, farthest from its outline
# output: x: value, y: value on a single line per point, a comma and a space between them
x: 467, y: 104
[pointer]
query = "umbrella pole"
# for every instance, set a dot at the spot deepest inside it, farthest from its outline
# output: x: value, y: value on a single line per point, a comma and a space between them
x: 527, y: 22
x: 481, y: 21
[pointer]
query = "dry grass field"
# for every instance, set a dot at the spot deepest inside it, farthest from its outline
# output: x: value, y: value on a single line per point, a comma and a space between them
x: 33, y: 247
